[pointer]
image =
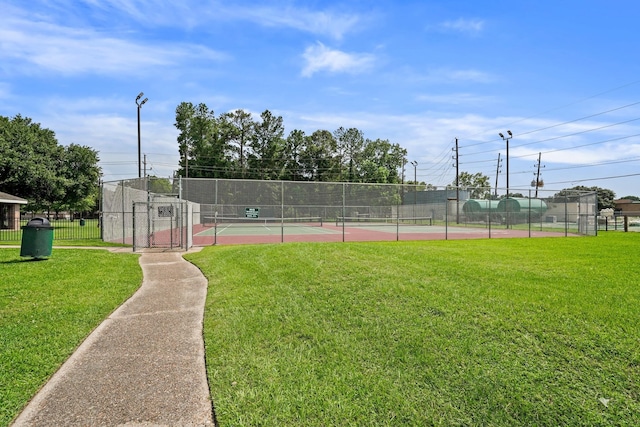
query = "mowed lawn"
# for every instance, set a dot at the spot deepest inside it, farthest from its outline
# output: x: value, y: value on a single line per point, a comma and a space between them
x: 498, y: 332
x: 48, y: 307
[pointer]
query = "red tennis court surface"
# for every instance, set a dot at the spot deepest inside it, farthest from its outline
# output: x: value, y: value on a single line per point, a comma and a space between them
x: 206, y: 236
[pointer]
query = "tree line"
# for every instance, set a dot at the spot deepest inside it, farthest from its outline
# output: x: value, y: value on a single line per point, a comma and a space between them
x: 50, y: 176
x: 233, y: 145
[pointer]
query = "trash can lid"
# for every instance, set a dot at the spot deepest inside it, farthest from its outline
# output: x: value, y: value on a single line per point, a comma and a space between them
x: 39, y: 223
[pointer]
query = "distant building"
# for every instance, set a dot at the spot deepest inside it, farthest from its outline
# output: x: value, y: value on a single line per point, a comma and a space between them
x: 627, y: 207
x: 10, y: 211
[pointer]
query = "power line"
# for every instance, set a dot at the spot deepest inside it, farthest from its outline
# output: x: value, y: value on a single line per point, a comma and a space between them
x: 581, y: 145
x: 596, y: 179
x: 581, y: 118
x: 578, y: 133
x: 507, y: 125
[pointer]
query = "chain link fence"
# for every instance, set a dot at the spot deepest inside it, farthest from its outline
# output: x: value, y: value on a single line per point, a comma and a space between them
x: 133, y: 214
x: 183, y: 212
x: 162, y: 223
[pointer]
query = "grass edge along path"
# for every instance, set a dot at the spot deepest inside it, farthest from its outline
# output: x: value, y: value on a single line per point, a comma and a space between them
x: 484, y: 332
x: 47, y: 308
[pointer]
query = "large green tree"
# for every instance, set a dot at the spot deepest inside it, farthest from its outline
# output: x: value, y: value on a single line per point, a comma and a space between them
x: 605, y: 196
x: 30, y: 158
x: 80, y: 173
x: 477, y: 184
x: 239, y: 132
x: 198, y: 141
x: 350, y: 144
x: 35, y: 167
x: 267, y: 147
x: 234, y: 145
x: 293, y: 146
x: 381, y: 161
x: 318, y: 159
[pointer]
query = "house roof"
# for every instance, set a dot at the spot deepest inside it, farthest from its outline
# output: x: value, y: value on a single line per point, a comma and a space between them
x: 8, y: 198
x: 625, y: 201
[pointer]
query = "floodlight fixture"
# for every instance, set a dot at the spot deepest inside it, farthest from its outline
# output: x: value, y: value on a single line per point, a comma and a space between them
x: 506, y: 139
x: 140, y: 104
x: 414, y: 163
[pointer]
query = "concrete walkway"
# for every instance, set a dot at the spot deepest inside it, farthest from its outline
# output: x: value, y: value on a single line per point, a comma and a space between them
x: 143, y: 366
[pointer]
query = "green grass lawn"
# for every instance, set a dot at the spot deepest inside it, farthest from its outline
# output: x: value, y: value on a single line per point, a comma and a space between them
x: 497, y: 332
x: 74, y: 242
x: 48, y: 307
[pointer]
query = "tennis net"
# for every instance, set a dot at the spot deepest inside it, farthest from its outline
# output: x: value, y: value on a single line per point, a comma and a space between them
x: 262, y: 222
x: 366, y: 221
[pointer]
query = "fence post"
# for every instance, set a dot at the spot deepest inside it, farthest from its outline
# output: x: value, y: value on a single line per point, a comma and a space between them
x: 446, y: 214
x: 124, y: 230
x: 133, y: 221
x: 529, y: 215
x: 344, y: 208
x: 566, y: 215
x: 398, y: 218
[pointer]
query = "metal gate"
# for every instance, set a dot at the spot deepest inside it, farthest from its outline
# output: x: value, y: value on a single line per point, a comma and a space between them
x: 588, y: 214
x: 161, y: 224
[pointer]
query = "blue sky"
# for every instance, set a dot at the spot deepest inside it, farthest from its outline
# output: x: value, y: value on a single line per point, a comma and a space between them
x: 563, y: 76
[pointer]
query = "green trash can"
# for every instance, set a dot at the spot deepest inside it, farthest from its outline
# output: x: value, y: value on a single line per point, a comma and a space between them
x: 37, y: 238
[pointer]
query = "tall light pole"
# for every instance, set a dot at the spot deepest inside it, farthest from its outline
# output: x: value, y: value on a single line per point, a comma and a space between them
x: 415, y: 187
x: 507, y: 138
x: 140, y: 104
x: 415, y: 179
x: 415, y: 182
x: 507, y: 201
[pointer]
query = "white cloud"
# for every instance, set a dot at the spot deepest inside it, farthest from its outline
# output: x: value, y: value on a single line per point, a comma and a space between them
x: 65, y: 50
x: 321, y: 58
x: 327, y: 23
x: 448, y: 76
x: 461, y: 25
x: 200, y: 14
x: 469, y: 76
x: 457, y: 99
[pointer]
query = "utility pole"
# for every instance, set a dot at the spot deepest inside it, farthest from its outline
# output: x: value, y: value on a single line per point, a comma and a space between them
x: 538, y: 183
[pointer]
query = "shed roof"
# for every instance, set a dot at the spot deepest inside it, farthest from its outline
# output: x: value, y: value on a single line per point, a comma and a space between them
x: 10, y: 199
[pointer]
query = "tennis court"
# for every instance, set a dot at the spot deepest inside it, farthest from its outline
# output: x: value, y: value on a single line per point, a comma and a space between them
x: 343, y: 229
x: 215, y: 211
